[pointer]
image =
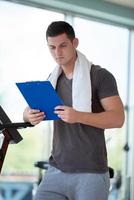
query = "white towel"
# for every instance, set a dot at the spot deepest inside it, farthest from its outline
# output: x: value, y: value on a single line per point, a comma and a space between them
x: 81, y: 84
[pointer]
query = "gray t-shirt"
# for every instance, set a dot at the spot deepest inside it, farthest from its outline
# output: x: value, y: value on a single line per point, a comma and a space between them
x: 78, y: 147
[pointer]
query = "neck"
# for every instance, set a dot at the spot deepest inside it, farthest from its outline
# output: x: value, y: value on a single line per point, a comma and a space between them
x: 69, y: 75
x: 69, y: 68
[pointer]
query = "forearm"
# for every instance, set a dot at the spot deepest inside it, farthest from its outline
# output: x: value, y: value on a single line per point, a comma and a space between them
x: 112, y: 117
x: 104, y: 120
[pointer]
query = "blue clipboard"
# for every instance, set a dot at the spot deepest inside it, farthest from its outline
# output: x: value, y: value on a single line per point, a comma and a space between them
x: 41, y: 95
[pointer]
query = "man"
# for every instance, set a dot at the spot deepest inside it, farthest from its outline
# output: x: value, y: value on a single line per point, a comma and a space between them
x: 78, y: 163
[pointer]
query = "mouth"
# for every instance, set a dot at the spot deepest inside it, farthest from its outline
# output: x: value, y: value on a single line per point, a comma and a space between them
x: 59, y: 58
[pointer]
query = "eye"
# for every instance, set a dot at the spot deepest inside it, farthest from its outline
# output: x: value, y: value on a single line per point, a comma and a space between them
x: 52, y: 47
x: 64, y: 45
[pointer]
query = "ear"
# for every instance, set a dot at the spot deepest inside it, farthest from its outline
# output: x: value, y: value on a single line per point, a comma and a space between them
x: 75, y: 42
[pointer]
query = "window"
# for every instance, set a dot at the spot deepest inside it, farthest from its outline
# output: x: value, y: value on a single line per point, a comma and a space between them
x: 24, y: 57
x: 107, y: 46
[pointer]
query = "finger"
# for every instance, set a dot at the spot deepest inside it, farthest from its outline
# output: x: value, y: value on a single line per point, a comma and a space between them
x: 60, y: 108
x: 40, y: 114
x: 37, y: 117
x: 37, y: 120
x: 59, y: 116
x: 59, y: 112
x: 33, y: 111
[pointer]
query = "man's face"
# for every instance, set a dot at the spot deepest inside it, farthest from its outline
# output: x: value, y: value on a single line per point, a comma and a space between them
x: 62, y: 49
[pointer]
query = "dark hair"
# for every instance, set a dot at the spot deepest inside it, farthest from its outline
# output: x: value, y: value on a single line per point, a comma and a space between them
x: 60, y: 27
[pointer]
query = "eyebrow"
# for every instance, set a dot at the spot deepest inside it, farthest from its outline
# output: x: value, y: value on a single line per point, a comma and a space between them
x: 59, y: 44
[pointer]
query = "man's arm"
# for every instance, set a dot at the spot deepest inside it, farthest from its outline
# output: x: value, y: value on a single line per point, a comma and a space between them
x: 112, y: 117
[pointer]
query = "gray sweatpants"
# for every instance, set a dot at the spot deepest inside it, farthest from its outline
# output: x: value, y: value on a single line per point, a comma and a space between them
x: 57, y: 185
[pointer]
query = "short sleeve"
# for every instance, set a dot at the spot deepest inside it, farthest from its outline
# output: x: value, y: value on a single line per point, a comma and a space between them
x: 107, y: 85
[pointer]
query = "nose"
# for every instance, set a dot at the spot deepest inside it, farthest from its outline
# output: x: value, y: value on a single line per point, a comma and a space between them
x: 57, y: 51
